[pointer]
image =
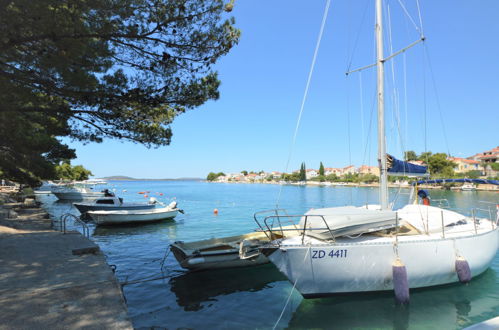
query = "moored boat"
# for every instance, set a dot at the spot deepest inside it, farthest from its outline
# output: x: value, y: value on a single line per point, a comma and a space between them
x: 227, y: 252
x: 115, y: 217
x: 430, y: 241
x: 425, y: 245
x: 112, y: 203
x: 468, y: 187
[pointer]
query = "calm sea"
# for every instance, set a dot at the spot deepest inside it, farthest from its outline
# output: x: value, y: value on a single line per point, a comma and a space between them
x: 253, y: 298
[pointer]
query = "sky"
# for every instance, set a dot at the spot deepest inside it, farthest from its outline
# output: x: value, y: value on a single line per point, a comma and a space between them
x: 442, y: 96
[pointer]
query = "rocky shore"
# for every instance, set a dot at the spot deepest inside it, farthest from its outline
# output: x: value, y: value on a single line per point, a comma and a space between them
x: 52, y: 280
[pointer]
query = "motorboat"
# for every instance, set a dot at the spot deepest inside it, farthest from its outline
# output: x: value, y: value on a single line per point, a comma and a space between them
x: 77, y: 191
x: 113, y: 203
x: 342, y: 250
x: 115, y: 217
x: 45, y: 188
x: 468, y: 187
x: 226, y: 252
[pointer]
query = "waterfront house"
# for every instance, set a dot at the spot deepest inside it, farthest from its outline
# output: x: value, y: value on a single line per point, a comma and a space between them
x: 366, y: 169
x: 332, y: 170
x: 311, y: 173
x: 489, y: 156
x: 275, y: 174
x: 465, y: 165
x: 349, y: 170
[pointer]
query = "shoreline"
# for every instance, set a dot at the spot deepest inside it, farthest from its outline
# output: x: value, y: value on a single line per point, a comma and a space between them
x: 479, y: 187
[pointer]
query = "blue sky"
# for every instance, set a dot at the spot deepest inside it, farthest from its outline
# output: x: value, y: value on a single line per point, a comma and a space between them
x: 263, y: 80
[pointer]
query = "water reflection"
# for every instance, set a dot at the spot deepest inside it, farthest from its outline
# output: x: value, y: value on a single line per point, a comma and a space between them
x: 194, y: 288
x: 430, y: 308
x: 167, y: 227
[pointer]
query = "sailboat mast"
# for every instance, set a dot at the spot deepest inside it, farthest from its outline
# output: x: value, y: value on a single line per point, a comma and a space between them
x: 383, y: 187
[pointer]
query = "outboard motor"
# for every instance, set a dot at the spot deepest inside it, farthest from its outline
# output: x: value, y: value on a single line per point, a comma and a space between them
x: 172, y: 205
x: 107, y: 193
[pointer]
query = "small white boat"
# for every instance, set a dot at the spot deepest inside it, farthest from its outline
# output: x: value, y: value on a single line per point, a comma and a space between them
x: 113, y: 203
x: 227, y: 252
x: 468, y: 187
x: 77, y: 194
x: 78, y: 191
x: 134, y: 216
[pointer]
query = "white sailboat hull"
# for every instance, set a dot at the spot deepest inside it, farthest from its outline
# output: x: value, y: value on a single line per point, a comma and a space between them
x: 322, y: 269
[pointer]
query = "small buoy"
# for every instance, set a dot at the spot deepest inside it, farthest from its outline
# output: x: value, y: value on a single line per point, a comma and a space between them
x: 400, y: 283
x: 161, y: 194
x: 463, y: 270
x: 145, y: 196
x: 141, y: 192
x: 215, y: 211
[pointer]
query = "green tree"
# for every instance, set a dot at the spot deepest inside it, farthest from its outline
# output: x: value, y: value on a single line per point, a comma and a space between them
x: 244, y: 173
x: 293, y: 177
x: 425, y: 156
x: 321, y: 169
x: 349, y: 177
x: 474, y: 174
x: 65, y: 171
x: 89, y: 70
x: 440, y: 166
x: 211, y: 176
x: 303, y: 172
x: 410, y: 155
x: 494, y: 166
x: 368, y: 178
x: 332, y: 178
x: 29, y: 150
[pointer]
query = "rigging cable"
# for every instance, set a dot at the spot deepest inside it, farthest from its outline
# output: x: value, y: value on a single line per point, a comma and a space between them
x: 348, y: 136
x: 410, y: 18
x: 432, y: 75
x: 305, y: 94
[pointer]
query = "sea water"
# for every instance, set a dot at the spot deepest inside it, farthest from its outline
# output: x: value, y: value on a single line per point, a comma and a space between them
x: 160, y: 294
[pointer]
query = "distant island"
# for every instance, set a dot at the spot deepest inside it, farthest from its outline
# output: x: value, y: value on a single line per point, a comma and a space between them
x: 127, y: 178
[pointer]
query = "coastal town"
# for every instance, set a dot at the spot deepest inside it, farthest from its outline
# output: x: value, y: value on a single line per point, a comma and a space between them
x: 481, y: 165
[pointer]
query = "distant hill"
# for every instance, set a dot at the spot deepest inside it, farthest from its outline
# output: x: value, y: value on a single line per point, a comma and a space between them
x: 127, y: 178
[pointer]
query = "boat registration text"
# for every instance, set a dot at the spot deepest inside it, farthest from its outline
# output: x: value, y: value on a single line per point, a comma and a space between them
x: 319, y: 254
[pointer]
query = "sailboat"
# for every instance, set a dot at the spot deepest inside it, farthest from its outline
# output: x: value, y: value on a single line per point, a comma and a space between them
x: 376, y: 248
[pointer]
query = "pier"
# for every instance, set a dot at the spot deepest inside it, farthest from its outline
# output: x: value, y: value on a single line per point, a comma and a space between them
x: 49, y: 279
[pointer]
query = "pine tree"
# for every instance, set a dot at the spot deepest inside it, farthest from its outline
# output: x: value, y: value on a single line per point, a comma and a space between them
x: 303, y: 174
x: 321, y: 169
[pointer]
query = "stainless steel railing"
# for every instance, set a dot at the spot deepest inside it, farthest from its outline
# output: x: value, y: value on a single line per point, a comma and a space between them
x: 270, y: 226
x: 65, y: 217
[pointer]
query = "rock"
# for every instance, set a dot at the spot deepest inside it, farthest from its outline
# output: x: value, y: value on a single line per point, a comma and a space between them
x: 4, y: 214
x: 29, y: 202
x: 12, y: 214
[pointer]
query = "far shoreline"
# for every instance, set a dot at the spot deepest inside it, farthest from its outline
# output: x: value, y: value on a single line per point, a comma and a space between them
x: 479, y: 187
